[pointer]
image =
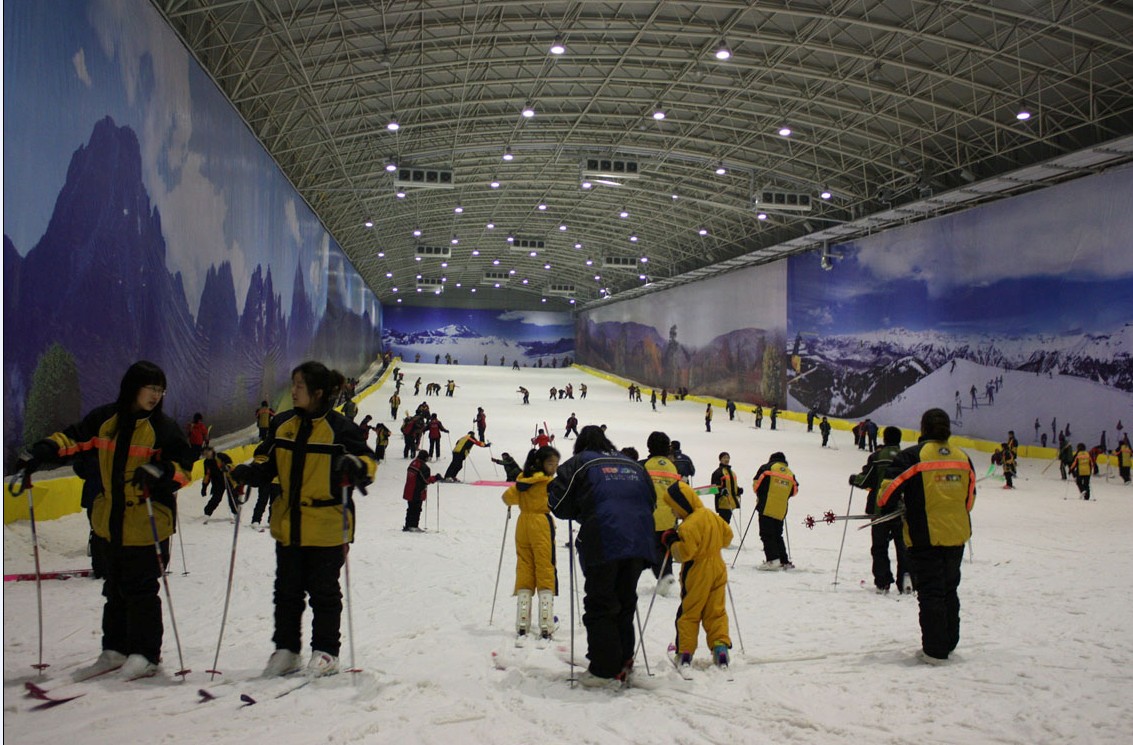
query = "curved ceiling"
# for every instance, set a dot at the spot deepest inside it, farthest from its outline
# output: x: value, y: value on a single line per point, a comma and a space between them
x: 892, y: 106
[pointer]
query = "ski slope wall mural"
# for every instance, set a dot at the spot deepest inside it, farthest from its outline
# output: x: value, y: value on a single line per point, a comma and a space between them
x: 723, y: 336
x: 478, y: 336
x: 142, y: 220
x: 1013, y: 316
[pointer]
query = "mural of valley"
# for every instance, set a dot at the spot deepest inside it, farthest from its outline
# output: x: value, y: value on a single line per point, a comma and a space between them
x: 143, y: 221
x: 723, y: 337
x: 1013, y: 316
x: 469, y: 336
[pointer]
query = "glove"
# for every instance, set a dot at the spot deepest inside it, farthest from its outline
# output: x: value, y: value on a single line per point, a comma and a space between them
x: 349, y: 469
x: 852, y: 480
x: 204, y: 488
x: 151, y: 474
x: 740, y: 492
x: 241, y: 474
x: 488, y: 444
x: 26, y: 462
x: 669, y: 537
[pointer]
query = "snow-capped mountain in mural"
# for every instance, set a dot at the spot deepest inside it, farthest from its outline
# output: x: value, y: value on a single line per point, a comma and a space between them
x: 468, y: 346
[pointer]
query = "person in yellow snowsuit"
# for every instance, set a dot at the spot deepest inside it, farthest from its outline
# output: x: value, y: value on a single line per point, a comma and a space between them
x: 696, y: 543
x: 534, y: 542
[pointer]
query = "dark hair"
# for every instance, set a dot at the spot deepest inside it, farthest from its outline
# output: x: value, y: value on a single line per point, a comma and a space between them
x: 367, y: 418
x: 631, y: 452
x: 777, y: 457
x: 423, y: 455
x: 536, y: 458
x: 721, y: 455
x: 1081, y: 446
x: 675, y: 444
x: 138, y: 376
x: 593, y: 438
x: 935, y: 425
x: 319, y: 377
x: 657, y: 443
x: 198, y: 417
x: 263, y: 403
x: 891, y: 436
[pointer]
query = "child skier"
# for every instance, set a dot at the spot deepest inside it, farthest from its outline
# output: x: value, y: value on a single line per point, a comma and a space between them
x: 696, y: 543
x: 534, y: 544
x: 774, y: 484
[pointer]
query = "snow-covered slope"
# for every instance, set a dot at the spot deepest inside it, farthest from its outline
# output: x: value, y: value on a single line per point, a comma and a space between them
x: 1046, y: 640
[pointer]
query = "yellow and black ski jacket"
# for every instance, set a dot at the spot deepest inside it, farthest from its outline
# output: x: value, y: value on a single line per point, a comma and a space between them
x: 773, y: 485
x: 937, y: 485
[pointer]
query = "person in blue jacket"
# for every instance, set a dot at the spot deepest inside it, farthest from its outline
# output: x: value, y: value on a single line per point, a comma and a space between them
x: 612, y: 499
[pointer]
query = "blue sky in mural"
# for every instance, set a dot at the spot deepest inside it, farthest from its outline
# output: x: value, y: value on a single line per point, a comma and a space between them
x: 1056, y: 261
x: 518, y: 325
x: 221, y: 197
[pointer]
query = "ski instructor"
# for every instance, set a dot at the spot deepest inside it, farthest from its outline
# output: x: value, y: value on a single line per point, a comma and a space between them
x: 612, y: 499
x: 937, y: 486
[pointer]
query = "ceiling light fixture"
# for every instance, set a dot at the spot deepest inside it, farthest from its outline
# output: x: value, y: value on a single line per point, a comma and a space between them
x: 658, y: 114
x: 562, y: 228
x: 784, y: 131
x: 458, y: 209
x: 491, y: 225
x: 393, y: 126
x: 528, y: 111
x: 381, y: 254
x: 391, y: 165
x: 578, y: 245
x: 507, y: 153
x: 417, y: 233
x: 587, y: 185
x: 399, y: 194
x: 557, y: 47
x: 455, y: 240
x: 722, y: 52
x: 369, y: 223
x: 633, y: 239
x: 494, y: 184
x: 623, y: 214
x: 510, y: 238
x: 546, y: 266
x: 675, y: 197
x: 720, y: 169
x: 761, y: 216
x: 825, y: 194
x: 702, y: 231
x: 1023, y: 114
x: 533, y: 254
x: 542, y: 207
x: 475, y: 252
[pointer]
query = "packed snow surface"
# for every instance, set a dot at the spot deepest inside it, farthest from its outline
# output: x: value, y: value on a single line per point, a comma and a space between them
x: 1044, y: 655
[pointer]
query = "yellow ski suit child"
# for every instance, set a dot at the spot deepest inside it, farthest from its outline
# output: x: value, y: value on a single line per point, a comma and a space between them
x: 696, y: 543
x: 534, y: 551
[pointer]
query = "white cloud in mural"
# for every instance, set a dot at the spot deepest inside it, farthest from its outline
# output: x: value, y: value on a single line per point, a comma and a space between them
x: 79, y: 60
x: 1076, y: 230
x: 820, y: 316
x: 193, y: 207
x: 533, y: 317
x: 291, y: 220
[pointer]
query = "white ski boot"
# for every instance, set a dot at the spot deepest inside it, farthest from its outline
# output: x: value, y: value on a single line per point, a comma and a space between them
x: 522, y: 616
x: 546, y: 617
x: 108, y: 661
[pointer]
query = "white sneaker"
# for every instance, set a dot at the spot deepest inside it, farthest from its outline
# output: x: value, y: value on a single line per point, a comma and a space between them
x: 770, y: 566
x: 257, y: 526
x: 322, y: 664
x: 137, y: 666
x: 107, y: 662
x: 665, y: 586
x: 281, y: 662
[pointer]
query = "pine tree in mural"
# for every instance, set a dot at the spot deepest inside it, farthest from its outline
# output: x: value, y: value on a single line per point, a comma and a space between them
x: 53, y: 401
x: 773, y: 372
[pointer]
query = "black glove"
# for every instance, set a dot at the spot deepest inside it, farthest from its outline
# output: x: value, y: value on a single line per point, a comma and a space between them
x: 669, y: 537
x: 26, y: 462
x: 152, y: 473
x: 242, y: 474
x: 740, y: 492
x: 853, y: 481
x: 350, y: 470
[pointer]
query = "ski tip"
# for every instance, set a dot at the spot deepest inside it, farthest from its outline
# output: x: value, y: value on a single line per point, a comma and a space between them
x: 182, y: 673
x: 353, y: 670
x: 34, y: 690
x: 205, y: 695
x: 248, y: 700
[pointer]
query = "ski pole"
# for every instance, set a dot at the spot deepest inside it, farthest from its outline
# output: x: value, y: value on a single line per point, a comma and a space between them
x: 165, y: 582
x: 17, y: 486
x: 652, y: 599
x: 735, y: 616
x: 181, y: 540
x: 346, y: 570
x: 233, y: 499
x: 570, y: 532
x: 438, y: 508
x: 495, y: 467
x: 742, y: 539
x: 499, y: 567
x: 845, y: 527
x: 474, y: 468
x: 787, y: 537
x: 641, y: 635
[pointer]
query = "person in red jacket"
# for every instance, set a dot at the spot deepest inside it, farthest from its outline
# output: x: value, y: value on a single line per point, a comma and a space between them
x: 481, y: 422
x: 435, y: 427
x: 417, y: 480
x: 198, y: 435
x: 542, y: 440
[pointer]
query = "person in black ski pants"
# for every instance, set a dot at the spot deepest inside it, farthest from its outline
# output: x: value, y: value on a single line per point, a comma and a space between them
x: 215, y: 465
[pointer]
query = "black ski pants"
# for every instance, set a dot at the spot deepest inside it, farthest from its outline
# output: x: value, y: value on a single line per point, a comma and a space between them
x: 884, y: 534
x: 218, y: 493
x: 937, y: 572
x: 771, y: 533
x: 608, y: 608
x: 413, y: 512
x: 456, y: 466
x: 308, y: 572
x: 1083, y: 483
x: 434, y: 447
x: 264, y: 499
x: 131, y: 616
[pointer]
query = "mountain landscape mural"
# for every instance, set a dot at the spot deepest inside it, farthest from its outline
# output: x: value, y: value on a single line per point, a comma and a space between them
x: 468, y: 336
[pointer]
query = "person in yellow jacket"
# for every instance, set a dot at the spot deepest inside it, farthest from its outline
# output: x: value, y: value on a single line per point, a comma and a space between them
x: 696, y: 543
x: 142, y: 454
x: 317, y: 454
x: 263, y: 418
x: 935, y: 483
x: 663, y: 473
x: 534, y: 543
x: 774, y: 484
x: 1082, y: 466
x: 708, y: 418
x: 727, y: 486
x: 1124, y: 455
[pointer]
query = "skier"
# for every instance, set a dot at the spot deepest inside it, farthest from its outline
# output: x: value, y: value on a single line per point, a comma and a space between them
x: 1124, y: 455
x: 1007, y: 460
x: 408, y: 427
x: 730, y: 406
x: 542, y: 440
x: 871, y: 434
x: 417, y: 480
x: 663, y: 474
x: 512, y: 469
x: 315, y: 452
x: 142, y: 454
x: 215, y: 466
x: 366, y: 428
x: 459, y: 453
x: 265, y: 499
x: 937, y: 486
x: 810, y: 416
x: 774, y: 484
x: 824, y: 429
x: 727, y: 490
x: 481, y: 422
x: 682, y: 462
x: 449, y: 388
x: 664, y: 396
x: 774, y: 416
x: 708, y: 418
x: 571, y: 426
x: 1082, y: 466
x: 350, y: 409
x: 758, y: 416
x: 417, y: 387
x: 198, y: 433
x: 1065, y: 456
x: 264, y: 415
x: 696, y: 544
x: 381, y: 441
x: 394, y: 405
x: 582, y: 390
x: 435, y: 427
x: 554, y: 393
x: 526, y: 394
x: 534, y: 543
x: 872, y: 478
x: 611, y: 498
x: 653, y: 399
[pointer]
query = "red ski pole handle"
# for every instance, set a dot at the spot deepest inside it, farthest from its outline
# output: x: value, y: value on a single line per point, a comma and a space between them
x: 809, y: 522
x: 829, y: 518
